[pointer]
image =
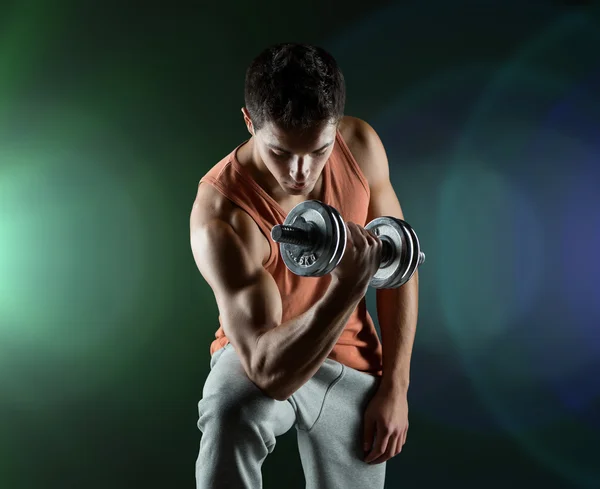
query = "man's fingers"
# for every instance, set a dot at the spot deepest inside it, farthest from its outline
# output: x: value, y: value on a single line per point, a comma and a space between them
x: 404, y: 436
x: 358, y: 238
x: 400, y: 444
x: 388, y: 451
x: 380, y: 446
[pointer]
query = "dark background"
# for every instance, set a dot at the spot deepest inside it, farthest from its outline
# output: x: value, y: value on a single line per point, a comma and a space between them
x: 109, y: 115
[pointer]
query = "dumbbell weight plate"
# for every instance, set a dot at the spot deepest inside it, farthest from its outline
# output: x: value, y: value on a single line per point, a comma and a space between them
x: 414, y: 262
x: 392, y: 274
x: 327, y: 252
x: 339, y: 241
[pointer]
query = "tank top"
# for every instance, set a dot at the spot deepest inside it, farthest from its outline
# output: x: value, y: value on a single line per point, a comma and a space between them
x: 345, y: 188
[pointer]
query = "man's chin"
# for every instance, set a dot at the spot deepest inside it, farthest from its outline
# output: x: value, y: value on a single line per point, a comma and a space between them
x: 292, y: 190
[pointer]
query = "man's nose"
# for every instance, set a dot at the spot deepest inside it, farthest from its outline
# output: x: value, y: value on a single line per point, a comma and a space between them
x: 299, y: 170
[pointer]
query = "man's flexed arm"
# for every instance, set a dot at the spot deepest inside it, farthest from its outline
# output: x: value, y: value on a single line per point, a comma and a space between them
x: 279, y: 357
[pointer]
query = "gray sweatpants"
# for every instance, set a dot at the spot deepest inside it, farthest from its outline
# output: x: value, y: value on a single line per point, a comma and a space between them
x: 239, y: 426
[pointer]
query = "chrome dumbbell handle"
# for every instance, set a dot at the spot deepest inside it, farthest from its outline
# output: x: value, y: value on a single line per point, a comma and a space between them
x: 308, y: 239
x: 282, y: 233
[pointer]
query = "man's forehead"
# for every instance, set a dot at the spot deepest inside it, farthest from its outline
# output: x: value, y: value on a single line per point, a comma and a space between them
x: 314, y: 129
x: 315, y: 138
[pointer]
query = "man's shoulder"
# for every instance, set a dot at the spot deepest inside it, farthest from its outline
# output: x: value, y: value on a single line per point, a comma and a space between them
x: 210, y: 201
x: 212, y: 206
x: 365, y: 145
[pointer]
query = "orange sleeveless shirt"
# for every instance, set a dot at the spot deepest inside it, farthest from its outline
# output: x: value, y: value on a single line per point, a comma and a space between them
x: 345, y: 188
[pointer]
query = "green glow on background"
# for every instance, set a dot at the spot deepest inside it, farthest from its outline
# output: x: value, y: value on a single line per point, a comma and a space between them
x: 75, y: 256
x: 110, y: 114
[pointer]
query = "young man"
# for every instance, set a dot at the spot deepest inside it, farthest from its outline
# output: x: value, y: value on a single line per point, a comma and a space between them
x: 290, y: 350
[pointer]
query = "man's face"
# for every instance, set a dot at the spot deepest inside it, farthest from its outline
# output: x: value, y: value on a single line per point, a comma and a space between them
x: 295, y: 159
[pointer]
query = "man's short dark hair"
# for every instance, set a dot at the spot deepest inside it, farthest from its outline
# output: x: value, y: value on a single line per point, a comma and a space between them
x: 295, y: 86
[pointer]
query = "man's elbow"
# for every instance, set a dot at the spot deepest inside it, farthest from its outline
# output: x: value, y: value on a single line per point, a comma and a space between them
x: 274, y: 384
x: 273, y: 387
x: 279, y: 394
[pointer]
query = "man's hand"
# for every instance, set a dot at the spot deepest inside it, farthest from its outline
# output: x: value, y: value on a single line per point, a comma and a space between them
x: 385, y: 426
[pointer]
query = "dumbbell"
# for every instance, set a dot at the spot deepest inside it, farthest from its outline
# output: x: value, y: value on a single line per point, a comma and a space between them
x: 312, y: 241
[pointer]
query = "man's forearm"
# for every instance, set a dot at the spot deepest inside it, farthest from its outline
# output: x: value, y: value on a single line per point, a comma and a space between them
x: 292, y: 352
x: 397, y: 311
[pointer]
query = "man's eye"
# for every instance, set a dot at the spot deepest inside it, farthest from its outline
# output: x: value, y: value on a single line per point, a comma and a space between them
x: 285, y: 155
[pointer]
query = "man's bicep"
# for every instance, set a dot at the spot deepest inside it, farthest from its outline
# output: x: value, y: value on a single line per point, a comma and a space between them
x: 247, y: 296
x: 221, y: 256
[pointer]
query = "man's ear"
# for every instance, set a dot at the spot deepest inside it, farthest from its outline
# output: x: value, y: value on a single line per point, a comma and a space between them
x: 248, y: 121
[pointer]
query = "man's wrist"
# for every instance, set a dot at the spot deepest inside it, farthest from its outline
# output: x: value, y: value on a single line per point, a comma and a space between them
x: 345, y: 290
x: 394, y: 386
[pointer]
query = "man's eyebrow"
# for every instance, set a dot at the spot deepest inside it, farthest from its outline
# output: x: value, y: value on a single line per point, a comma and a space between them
x: 278, y: 148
